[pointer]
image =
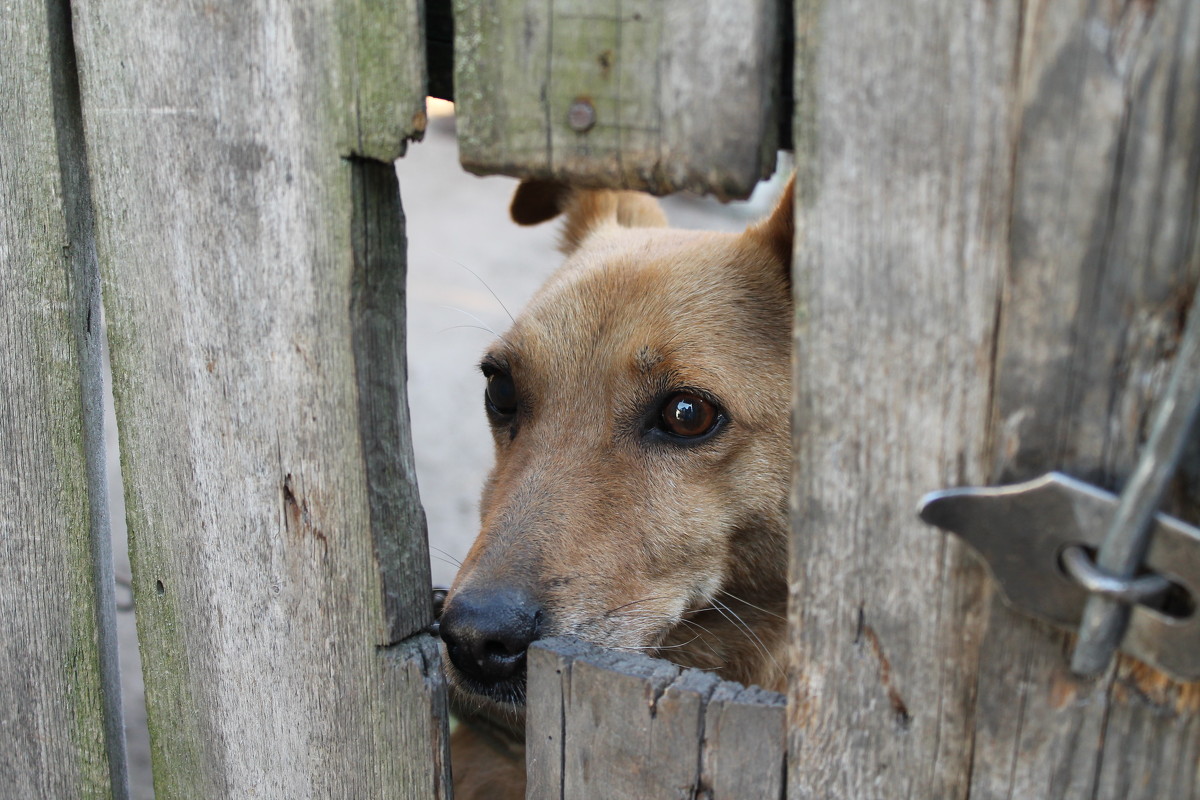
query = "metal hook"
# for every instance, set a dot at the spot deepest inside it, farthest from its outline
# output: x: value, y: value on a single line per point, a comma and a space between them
x: 1141, y: 589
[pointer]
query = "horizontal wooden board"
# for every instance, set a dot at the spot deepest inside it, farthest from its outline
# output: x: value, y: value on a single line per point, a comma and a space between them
x: 660, y: 96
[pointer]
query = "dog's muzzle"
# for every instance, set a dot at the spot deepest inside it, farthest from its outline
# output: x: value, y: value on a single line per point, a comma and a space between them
x: 487, y: 633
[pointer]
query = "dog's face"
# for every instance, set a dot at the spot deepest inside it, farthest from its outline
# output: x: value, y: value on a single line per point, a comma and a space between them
x: 639, y: 408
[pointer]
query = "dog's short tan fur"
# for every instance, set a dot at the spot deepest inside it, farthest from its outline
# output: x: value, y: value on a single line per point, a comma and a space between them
x: 627, y: 539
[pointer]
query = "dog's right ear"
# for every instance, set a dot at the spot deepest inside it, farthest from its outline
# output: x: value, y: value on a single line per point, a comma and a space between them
x: 586, y: 210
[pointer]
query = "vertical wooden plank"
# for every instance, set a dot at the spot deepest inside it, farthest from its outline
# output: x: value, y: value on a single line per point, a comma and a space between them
x: 60, y: 728
x: 548, y: 690
x: 602, y: 723
x: 744, y: 734
x: 903, y: 149
x: 677, y: 749
x: 251, y: 238
x: 1000, y: 215
x: 1105, y: 256
x: 668, y: 95
x: 610, y: 721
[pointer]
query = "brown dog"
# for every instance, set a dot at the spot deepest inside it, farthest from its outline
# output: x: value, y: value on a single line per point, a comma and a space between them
x: 640, y: 411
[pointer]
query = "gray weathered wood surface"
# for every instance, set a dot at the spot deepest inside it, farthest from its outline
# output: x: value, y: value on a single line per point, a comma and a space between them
x: 998, y: 214
x: 684, y: 92
x: 624, y: 726
x: 60, y: 725
x: 251, y: 239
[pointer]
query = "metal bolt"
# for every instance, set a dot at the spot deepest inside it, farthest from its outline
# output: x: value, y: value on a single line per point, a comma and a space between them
x: 581, y: 116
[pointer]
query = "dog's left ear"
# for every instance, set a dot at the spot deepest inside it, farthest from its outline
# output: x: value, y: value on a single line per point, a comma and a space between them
x: 778, y: 231
x: 536, y: 201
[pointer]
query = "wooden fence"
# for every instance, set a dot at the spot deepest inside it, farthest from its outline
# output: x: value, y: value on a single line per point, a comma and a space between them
x: 999, y: 236
x: 609, y: 724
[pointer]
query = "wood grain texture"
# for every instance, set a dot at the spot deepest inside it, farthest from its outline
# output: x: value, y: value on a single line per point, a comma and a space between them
x: 548, y: 688
x: 743, y: 732
x: 60, y: 727
x: 685, y: 93
x: 1104, y: 260
x: 902, y: 133
x: 998, y: 217
x: 250, y: 235
x: 607, y: 724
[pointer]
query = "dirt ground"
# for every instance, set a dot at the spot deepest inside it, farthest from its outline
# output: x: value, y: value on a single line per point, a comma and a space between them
x: 469, y: 268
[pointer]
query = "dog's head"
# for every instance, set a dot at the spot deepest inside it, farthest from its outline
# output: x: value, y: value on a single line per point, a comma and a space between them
x: 639, y: 407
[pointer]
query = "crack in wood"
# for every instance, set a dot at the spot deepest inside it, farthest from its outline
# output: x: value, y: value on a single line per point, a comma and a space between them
x: 898, y: 706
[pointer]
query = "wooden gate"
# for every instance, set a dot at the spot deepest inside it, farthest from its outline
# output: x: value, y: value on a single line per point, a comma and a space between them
x: 999, y: 205
x: 998, y: 224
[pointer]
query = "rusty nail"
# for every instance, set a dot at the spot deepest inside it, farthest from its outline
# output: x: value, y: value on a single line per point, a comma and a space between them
x: 581, y: 116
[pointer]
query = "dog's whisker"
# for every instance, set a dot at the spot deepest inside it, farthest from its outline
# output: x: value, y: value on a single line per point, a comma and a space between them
x: 631, y: 616
x: 489, y: 288
x: 657, y: 621
x: 740, y: 623
x: 735, y: 619
x: 673, y: 646
x: 447, y: 555
x: 631, y: 603
x: 691, y: 623
x: 702, y: 635
x: 653, y: 647
x: 466, y: 313
x: 699, y: 610
x: 751, y: 605
x: 473, y: 327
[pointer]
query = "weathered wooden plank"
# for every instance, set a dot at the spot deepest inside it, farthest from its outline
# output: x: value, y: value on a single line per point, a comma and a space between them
x: 677, y: 749
x: 609, y: 721
x: 60, y: 727
x: 1104, y: 258
x: 1000, y: 215
x: 251, y: 239
x: 548, y: 690
x: 744, y: 732
x: 667, y: 95
x: 606, y: 724
x: 902, y: 136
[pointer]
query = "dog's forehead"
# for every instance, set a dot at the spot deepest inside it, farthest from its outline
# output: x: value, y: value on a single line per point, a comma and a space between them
x: 619, y: 284
x: 653, y: 302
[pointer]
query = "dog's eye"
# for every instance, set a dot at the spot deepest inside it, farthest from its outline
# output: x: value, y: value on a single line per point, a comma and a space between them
x: 501, y: 394
x: 689, y: 416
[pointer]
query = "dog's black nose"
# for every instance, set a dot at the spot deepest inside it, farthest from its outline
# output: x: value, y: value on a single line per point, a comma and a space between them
x: 487, y: 632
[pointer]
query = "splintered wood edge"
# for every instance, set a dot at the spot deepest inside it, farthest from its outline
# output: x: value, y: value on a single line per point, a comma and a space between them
x: 686, y: 707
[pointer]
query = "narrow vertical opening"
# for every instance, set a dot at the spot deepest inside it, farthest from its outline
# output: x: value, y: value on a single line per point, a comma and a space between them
x: 133, y: 692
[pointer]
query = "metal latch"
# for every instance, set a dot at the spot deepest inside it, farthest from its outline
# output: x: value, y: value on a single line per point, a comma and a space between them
x: 1026, y: 532
x: 1137, y: 586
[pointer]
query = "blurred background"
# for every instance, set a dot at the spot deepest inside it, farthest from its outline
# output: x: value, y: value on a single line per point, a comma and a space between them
x: 469, y: 267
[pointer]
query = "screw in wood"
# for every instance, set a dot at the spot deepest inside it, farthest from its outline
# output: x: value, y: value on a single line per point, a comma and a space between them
x: 581, y: 116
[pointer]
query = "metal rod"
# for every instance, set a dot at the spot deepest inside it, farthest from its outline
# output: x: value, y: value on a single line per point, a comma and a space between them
x: 1128, y: 536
